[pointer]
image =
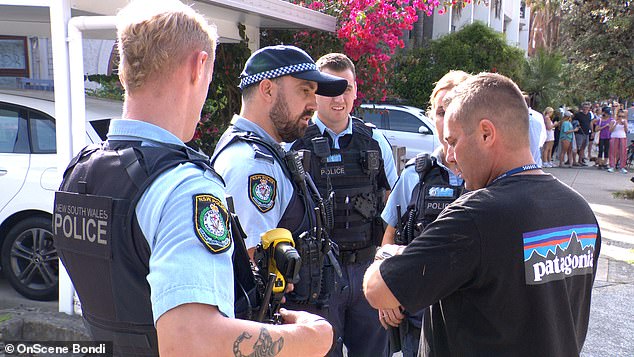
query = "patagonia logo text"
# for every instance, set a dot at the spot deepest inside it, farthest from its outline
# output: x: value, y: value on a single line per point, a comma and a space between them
x: 557, y: 253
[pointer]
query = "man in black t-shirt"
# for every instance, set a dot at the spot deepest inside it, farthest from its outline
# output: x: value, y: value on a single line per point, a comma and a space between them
x: 585, y: 119
x: 507, y: 273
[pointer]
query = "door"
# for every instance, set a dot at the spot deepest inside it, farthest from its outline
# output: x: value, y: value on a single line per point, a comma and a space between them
x: 404, y: 130
x: 14, y: 152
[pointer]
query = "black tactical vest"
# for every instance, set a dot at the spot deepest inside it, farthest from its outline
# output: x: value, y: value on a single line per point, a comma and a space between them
x: 316, y: 276
x: 351, y: 173
x: 107, y: 255
x: 429, y: 197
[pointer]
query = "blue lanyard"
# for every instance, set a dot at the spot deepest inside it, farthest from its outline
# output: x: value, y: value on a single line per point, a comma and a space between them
x: 514, y: 171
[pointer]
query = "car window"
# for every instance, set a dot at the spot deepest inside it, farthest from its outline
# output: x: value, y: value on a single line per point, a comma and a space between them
x: 13, y: 134
x: 403, y: 121
x: 373, y: 116
x: 42, y: 130
x: 8, y: 130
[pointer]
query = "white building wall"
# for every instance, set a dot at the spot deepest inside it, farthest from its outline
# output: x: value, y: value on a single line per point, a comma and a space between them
x: 512, y: 19
x: 97, y: 55
x: 506, y: 21
x: 462, y: 18
x: 496, y: 19
x: 442, y: 23
x: 525, y: 29
x: 481, y: 13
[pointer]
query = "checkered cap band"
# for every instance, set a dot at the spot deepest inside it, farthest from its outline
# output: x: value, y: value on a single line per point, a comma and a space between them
x: 277, y: 72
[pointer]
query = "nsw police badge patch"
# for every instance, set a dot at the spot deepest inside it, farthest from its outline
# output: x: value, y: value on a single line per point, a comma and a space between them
x: 262, y: 191
x: 211, y: 220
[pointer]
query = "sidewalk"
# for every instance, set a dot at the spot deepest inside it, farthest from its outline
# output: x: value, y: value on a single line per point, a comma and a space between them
x: 611, y: 324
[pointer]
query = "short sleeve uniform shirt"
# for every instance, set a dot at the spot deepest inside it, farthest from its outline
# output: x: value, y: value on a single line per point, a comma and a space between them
x: 182, y: 270
x: 260, y: 189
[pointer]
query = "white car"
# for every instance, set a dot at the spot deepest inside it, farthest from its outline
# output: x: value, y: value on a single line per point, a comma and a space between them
x: 403, y: 126
x: 28, y: 179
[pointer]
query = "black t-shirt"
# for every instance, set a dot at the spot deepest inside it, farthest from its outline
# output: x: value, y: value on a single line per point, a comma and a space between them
x: 508, y: 268
x: 584, y: 121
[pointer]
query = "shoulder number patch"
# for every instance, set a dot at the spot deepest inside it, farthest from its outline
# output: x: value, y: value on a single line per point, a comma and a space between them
x: 211, y: 220
x: 262, y: 191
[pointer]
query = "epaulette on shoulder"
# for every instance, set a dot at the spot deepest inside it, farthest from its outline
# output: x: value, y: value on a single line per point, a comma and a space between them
x: 362, y: 127
x: 262, y: 153
x: 410, y: 162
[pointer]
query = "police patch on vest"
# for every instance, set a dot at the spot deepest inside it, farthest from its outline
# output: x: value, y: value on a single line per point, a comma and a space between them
x: 557, y: 253
x: 262, y: 191
x: 336, y: 170
x: 212, y: 223
x: 440, y: 191
x: 83, y: 224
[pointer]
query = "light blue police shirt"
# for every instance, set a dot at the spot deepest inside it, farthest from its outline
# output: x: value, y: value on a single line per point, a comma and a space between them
x: 240, y: 167
x: 402, y: 192
x: 384, y: 145
x: 182, y: 270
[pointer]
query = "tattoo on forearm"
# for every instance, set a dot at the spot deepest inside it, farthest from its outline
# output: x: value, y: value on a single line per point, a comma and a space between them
x: 263, y: 347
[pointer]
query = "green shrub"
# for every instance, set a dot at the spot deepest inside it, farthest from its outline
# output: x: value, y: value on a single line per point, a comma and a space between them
x: 475, y: 48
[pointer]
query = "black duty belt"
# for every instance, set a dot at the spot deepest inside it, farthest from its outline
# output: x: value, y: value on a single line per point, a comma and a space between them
x: 357, y: 256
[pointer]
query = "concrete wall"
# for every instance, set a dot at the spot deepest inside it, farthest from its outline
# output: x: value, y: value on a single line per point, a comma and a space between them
x: 505, y: 19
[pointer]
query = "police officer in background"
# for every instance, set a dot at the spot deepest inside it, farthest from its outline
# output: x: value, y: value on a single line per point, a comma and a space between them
x: 141, y: 222
x: 353, y: 167
x: 269, y: 185
x: 426, y: 186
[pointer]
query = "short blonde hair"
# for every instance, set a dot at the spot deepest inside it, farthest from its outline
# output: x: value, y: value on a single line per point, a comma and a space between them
x: 156, y: 35
x: 448, y: 81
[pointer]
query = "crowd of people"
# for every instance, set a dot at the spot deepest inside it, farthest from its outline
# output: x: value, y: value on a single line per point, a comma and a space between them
x: 595, y: 133
x: 469, y: 264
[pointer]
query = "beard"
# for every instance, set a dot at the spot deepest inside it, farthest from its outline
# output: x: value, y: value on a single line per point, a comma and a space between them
x: 288, y: 128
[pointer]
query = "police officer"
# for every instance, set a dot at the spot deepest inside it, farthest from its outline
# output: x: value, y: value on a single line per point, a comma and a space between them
x: 353, y: 167
x: 425, y: 187
x: 141, y: 221
x: 269, y: 185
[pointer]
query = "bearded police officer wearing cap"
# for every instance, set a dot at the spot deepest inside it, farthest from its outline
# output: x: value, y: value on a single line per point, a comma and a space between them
x: 141, y: 222
x: 269, y: 185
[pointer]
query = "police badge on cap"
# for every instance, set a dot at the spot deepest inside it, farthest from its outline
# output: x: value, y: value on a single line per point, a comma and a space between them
x: 212, y: 223
x: 277, y: 61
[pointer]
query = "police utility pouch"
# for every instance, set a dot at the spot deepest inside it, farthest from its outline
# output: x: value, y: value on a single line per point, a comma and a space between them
x: 309, y: 249
x: 365, y: 204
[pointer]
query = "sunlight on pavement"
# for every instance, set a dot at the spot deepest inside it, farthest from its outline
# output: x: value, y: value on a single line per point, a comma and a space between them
x: 617, y: 253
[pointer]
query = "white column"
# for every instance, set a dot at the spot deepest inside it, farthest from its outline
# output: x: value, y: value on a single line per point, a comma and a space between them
x: 60, y: 15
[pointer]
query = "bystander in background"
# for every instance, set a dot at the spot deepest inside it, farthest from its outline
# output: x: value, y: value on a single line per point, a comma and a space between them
x: 547, y: 150
x: 618, y: 142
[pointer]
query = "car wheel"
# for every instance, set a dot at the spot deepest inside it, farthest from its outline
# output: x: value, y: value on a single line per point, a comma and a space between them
x: 29, y: 259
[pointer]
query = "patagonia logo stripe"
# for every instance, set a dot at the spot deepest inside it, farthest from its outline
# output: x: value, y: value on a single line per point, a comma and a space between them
x: 556, y: 253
